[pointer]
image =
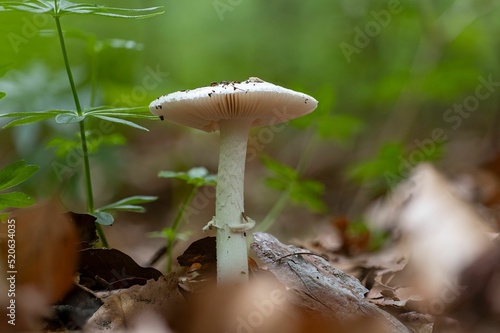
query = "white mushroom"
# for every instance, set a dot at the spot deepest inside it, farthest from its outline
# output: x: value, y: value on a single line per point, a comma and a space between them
x: 232, y: 108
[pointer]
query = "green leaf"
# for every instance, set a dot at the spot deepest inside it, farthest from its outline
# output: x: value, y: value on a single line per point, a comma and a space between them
x: 302, y: 191
x: 118, y: 44
x: 128, y: 208
x: 137, y: 13
x: 31, y: 117
x: 156, y: 234
x: 130, y: 204
x: 63, y: 146
x: 69, y: 118
x: 170, y: 234
x: 197, y: 176
x: 34, y: 113
x: 123, y: 122
x: 103, y: 218
x: 2, y: 94
x: 36, y: 6
x: 136, y: 109
x: 136, y: 112
x: 308, y: 193
x: 124, y: 115
x: 277, y: 184
x: 15, y: 174
x: 387, y: 160
x: 15, y: 200
x: 27, y: 120
x: 279, y: 169
x: 65, y: 7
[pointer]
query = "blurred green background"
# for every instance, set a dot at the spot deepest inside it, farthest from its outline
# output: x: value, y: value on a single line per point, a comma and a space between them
x: 386, y: 74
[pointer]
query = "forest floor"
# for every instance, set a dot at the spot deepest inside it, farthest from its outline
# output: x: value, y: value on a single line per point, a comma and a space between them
x: 437, y: 270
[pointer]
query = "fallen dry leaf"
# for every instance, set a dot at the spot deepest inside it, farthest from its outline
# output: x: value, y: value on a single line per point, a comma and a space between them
x: 109, y: 269
x: 72, y: 312
x: 258, y: 306
x: 86, y: 227
x: 478, y: 307
x: 441, y: 232
x: 46, y: 246
x: 119, y: 310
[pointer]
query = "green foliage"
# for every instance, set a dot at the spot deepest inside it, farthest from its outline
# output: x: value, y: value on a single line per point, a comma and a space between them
x: 377, y: 238
x: 10, y: 176
x: 341, y: 127
x: 130, y: 204
x: 65, y: 117
x: 64, y: 7
x: 392, y: 163
x: 301, y: 191
x: 196, y: 177
x: 26, y: 118
x: 386, y: 160
x: 103, y: 218
x: 63, y: 145
x: 58, y: 8
x: 426, y: 59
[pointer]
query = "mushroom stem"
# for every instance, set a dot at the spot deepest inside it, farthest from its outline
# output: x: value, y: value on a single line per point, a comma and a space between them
x: 232, y: 261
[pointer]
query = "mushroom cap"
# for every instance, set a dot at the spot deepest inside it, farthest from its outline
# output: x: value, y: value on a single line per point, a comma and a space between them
x: 261, y: 102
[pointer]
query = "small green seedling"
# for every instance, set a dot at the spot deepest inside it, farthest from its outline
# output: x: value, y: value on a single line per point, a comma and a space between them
x: 299, y: 191
x: 197, y: 178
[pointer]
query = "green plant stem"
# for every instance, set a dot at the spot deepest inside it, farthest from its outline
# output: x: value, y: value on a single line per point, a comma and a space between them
x: 175, y: 225
x: 274, y: 212
x: 83, y: 137
x: 102, y: 236
x: 278, y: 207
x: 306, y: 153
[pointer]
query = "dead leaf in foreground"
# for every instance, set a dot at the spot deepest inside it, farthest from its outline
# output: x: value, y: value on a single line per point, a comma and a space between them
x: 478, y: 307
x: 46, y: 245
x: 441, y: 232
x: 119, y: 310
x: 109, y: 269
